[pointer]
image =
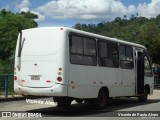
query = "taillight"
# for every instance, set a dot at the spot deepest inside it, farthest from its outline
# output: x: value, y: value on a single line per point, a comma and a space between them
x: 59, y: 73
x: 60, y: 69
x: 14, y: 70
x: 15, y: 77
x: 59, y: 79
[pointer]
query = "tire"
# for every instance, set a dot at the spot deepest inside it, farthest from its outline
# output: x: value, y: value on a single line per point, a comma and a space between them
x: 143, y: 98
x: 102, y: 100
x: 91, y: 104
x: 78, y: 101
x: 63, y: 102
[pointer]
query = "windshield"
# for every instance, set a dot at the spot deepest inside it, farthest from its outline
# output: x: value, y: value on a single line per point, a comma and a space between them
x: 40, y: 42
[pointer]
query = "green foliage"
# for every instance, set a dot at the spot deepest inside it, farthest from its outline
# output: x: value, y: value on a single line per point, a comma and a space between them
x: 10, y: 24
x: 137, y: 29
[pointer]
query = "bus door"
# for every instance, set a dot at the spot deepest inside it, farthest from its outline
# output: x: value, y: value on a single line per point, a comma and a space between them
x: 139, y: 72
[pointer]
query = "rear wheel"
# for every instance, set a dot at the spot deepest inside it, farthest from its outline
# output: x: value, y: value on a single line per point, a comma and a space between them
x: 63, y: 102
x: 78, y: 101
x: 101, y: 102
x: 143, y: 98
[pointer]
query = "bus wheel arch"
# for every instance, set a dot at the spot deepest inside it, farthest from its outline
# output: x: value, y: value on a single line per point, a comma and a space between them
x: 102, y: 99
x: 147, y: 87
x: 106, y: 90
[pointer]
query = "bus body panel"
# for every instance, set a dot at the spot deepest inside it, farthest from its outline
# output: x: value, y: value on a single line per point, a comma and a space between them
x: 149, y: 81
x: 108, y: 77
x: 83, y: 81
x: 127, y: 81
x: 40, y: 61
x: 33, y: 73
x: 56, y: 90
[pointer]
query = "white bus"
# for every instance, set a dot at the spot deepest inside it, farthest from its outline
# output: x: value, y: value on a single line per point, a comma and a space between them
x: 70, y: 64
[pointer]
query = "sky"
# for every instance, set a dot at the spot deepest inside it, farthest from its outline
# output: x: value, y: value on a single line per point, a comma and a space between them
x: 70, y: 12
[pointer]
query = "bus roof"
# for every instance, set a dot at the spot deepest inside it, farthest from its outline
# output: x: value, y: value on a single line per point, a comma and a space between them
x: 89, y: 34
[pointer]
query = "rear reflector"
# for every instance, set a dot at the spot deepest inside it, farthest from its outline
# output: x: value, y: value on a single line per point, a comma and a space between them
x: 23, y: 80
x: 48, y: 81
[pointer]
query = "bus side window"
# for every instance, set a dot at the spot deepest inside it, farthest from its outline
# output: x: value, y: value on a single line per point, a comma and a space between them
x: 76, y: 45
x: 147, y: 66
x: 89, y: 46
x: 113, y: 53
x: 126, y: 57
x: 108, y: 54
x: 82, y: 50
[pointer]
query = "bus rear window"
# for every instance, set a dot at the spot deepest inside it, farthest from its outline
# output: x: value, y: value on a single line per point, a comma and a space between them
x: 41, y: 42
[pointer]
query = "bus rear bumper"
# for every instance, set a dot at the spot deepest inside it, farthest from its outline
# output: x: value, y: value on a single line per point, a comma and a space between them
x: 56, y: 90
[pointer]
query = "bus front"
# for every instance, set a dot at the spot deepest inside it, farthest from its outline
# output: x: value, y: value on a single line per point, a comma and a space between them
x: 38, y: 67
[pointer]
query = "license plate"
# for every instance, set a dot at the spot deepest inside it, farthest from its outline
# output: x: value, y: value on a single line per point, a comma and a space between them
x: 35, y: 77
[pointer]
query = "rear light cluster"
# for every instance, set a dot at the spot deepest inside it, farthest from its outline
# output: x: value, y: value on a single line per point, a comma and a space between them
x: 59, y: 78
x: 15, y: 77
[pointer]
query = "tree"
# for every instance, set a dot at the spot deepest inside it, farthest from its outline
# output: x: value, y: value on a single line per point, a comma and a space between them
x: 137, y: 29
x: 78, y: 26
x: 28, y: 15
x: 10, y: 24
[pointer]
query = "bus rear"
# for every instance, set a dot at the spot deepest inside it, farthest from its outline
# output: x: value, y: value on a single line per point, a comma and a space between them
x: 38, y: 67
